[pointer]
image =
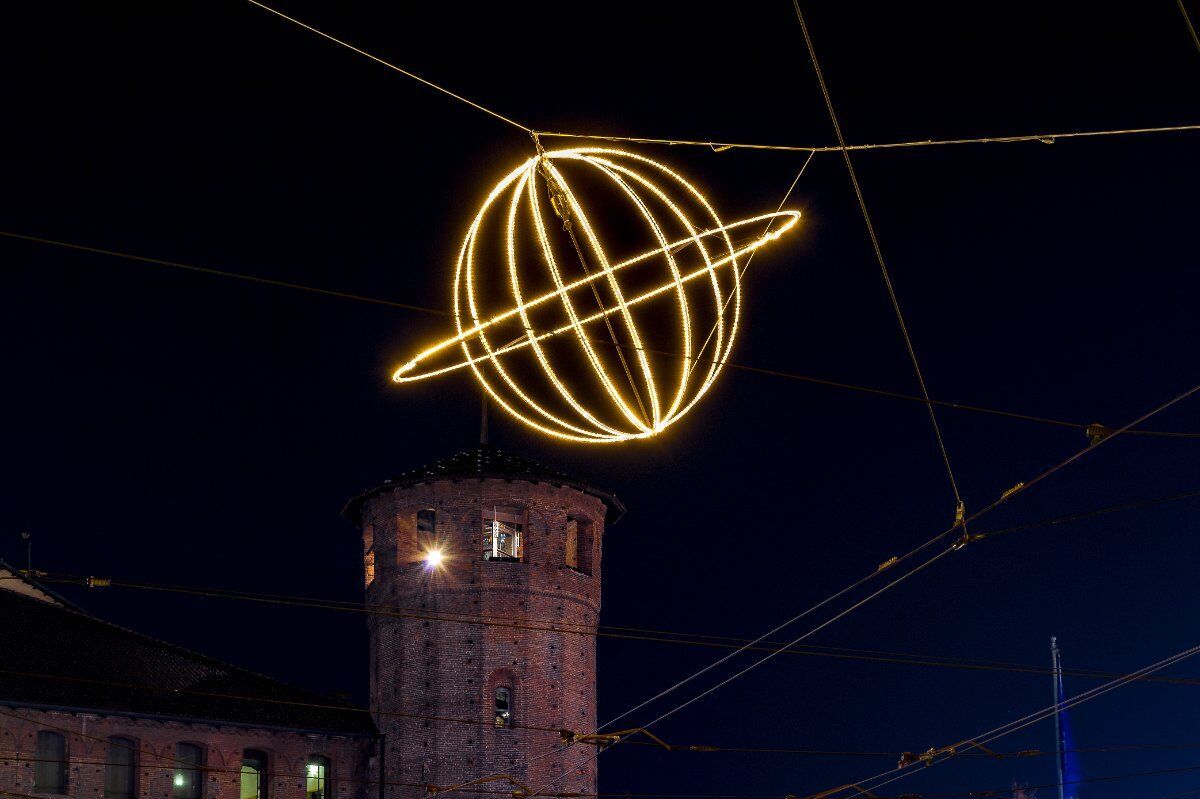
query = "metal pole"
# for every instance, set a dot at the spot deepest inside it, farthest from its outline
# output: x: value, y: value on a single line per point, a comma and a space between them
x: 1056, y: 664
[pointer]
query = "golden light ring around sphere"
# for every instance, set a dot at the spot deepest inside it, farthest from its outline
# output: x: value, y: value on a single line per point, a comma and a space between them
x: 645, y: 183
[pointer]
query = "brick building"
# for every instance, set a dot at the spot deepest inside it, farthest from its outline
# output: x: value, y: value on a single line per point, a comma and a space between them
x: 482, y: 575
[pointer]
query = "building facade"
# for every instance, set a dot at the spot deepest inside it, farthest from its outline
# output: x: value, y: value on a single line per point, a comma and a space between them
x: 95, y: 711
x: 482, y: 584
x: 483, y: 575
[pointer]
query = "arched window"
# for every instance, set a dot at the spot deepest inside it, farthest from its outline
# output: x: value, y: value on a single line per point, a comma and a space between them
x: 426, y: 526
x: 254, y: 774
x: 504, y: 707
x: 189, y: 780
x: 120, y: 769
x: 50, y: 768
x: 317, y: 775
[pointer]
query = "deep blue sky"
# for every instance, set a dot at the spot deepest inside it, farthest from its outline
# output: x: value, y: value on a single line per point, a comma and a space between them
x: 183, y: 429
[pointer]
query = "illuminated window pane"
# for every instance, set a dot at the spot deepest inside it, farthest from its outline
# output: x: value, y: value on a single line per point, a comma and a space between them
x: 254, y: 774
x: 189, y: 781
x: 50, y: 768
x: 317, y: 777
x: 369, y: 567
x: 503, y: 707
x: 501, y: 536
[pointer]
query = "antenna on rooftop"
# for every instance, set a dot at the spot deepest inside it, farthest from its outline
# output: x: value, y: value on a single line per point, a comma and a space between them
x: 27, y: 537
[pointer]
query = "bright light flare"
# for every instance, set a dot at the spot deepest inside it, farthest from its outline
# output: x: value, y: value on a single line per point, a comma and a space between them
x: 434, y: 558
x: 664, y: 201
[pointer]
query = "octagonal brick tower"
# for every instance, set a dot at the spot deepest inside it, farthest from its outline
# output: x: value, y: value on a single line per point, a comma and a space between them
x: 479, y: 663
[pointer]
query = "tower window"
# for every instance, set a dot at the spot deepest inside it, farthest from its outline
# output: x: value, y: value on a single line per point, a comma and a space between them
x: 188, y: 783
x: 502, y: 535
x: 572, y: 543
x: 254, y: 774
x: 120, y: 769
x: 503, y: 707
x: 368, y: 554
x: 426, y: 525
x: 579, y: 545
x: 50, y: 768
x: 317, y: 777
x: 369, y: 567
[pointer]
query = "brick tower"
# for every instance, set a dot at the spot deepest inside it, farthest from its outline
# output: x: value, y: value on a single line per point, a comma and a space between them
x: 479, y: 661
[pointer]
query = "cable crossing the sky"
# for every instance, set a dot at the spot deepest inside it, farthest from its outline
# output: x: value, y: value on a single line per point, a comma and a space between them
x: 1046, y: 138
x: 954, y: 547
x: 343, y: 295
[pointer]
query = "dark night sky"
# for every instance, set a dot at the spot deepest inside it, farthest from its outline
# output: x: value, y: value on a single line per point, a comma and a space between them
x: 183, y: 429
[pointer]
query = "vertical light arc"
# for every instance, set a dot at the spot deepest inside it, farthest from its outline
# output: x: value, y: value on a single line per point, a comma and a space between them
x: 685, y: 241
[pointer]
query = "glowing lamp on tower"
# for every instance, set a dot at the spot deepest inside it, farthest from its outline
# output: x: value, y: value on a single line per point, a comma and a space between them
x: 583, y: 339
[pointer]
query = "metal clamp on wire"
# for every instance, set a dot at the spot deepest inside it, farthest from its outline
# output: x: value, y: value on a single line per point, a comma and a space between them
x: 607, y: 739
x: 1096, y: 433
x: 926, y: 758
x: 960, y: 520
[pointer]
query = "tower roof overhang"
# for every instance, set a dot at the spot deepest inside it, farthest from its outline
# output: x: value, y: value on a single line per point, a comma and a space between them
x: 482, y: 463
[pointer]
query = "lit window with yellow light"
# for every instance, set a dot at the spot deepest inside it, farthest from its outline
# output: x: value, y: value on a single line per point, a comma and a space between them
x: 317, y: 777
x: 254, y: 774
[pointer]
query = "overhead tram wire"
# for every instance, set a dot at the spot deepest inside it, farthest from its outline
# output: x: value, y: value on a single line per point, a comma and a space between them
x: 674, y: 748
x: 964, y: 793
x: 1079, y: 455
x: 721, y: 146
x: 209, y: 769
x: 887, y: 278
x: 1003, y: 498
x: 841, y: 148
x: 392, y: 66
x: 1091, y: 514
x: 936, y: 756
x: 1187, y: 19
x: 205, y: 270
x: 1192, y: 792
x: 701, y: 640
x: 741, y: 276
x: 343, y: 295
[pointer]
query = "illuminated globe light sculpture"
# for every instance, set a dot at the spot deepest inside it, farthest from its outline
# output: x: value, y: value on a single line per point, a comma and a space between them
x: 692, y: 264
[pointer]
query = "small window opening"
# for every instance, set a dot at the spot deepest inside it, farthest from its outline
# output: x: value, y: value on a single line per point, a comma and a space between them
x: 317, y: 777
x: 254, y: 774
x: 579, y: 545
x: 503, y: 707
x: 502, y: 535
x: 572, y: 543
x: 50, y: 768
x: 188, y: 783
x: 426, y: 525
x: 369, y: 567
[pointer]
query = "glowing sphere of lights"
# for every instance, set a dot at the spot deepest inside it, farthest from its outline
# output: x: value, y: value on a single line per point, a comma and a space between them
x: 562, y: 323
x: 434, y: 558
